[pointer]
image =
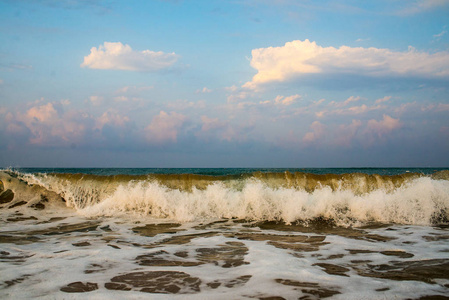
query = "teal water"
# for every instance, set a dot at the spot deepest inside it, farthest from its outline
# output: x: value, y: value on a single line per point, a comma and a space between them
x: 228, y: 171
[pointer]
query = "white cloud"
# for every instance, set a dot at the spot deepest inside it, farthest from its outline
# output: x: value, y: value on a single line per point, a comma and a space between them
x: 116, y: 56
x: 278, y: 64
x: 439, y: 35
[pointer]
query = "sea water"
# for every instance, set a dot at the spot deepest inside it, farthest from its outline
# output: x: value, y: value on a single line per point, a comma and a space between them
x: 224, y: 233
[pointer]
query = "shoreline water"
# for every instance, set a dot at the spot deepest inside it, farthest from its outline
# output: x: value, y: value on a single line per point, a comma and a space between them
x: 237, y: 236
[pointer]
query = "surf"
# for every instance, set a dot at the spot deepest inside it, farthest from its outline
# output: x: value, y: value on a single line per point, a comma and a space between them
x: 350, y: 199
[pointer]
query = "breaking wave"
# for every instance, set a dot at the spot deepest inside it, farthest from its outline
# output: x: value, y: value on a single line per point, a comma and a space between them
x: 345, y: 199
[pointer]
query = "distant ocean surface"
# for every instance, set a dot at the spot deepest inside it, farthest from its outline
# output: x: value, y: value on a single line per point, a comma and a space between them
x: 224, y: 233
x: 228, y: 171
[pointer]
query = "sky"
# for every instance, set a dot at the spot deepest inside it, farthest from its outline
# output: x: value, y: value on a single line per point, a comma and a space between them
x: 238, y: 83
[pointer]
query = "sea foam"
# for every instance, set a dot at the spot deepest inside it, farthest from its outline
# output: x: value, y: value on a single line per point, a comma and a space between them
x: 345, y: 201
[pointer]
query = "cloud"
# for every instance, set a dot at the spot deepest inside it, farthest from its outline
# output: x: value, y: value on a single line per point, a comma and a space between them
x: 133, y: 89
x: 384, y: 99
x: 420, y: 6
x: 346, y: 102
x: 210, y: 124
x: 111, y: 117
x: 237, y: 96
x: 365, y: 133
x: 439, y: 35
x: 346, y: 133
x: 97, y: 6
x: 96, y: 100
x: 164, y: 127
x: 203, y: 90
x: 317, y: 132
x: 384, y: 126
x: 116, y: 56
x: 281, y: 100
x: 49, y: 125
x: 14, y: 66
x: 302, y: 58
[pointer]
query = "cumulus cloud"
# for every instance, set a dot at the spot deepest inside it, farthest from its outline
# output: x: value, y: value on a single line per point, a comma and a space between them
x: 301, y: 58
x: 56, y: 124
x: 346, y: 133
x: 111, y: 117
x: 165, y: 126
x: 116, y: 56
x: 214, y: 128
x: 210, y: 124
x: 317, y: 132
x: 49, y: 125
x: 384, y: 126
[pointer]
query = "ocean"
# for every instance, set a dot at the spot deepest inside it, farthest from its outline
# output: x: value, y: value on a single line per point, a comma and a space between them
x: 232, y: 233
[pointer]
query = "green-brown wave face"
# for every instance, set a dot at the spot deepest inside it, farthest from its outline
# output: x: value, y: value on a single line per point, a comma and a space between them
x: 357, y: 182
x: 409, y: 198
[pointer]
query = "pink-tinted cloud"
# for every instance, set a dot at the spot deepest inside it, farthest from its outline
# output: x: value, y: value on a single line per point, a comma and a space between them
x: 384, y: 99
x: 282, y: 100
x: 212, y: 124
x: 50, y: 125
x: 111, y: 117
x: 379, y: 130
x: 346, y: 133
x: 164, y: 127
x: 318, y: 131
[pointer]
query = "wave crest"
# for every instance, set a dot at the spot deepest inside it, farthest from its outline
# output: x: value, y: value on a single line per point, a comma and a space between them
x: 348, y: 199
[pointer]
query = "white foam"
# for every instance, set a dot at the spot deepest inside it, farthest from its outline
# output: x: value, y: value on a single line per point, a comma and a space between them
x: 417, y: 201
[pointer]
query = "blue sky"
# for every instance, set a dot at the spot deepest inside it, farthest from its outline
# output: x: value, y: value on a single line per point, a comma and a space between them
x: 244, y: 83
